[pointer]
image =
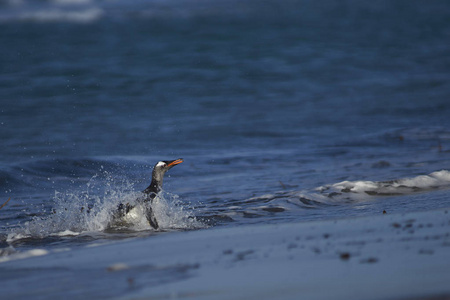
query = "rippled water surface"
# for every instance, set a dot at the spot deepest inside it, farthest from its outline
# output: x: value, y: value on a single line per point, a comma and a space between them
x: 284, y: 112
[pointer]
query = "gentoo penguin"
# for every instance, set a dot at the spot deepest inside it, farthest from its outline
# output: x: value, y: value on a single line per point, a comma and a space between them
x: 149, y: 194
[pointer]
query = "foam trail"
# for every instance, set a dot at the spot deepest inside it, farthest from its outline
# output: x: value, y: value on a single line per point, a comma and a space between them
x: 342, y: 193
x: 52, y: 15
x: 23, y: 255
x: 435, y: 180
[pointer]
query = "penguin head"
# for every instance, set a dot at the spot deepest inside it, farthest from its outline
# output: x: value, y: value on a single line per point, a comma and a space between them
x: 162, y: 167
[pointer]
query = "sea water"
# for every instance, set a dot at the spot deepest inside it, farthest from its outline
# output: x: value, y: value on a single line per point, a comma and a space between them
x: 285, y: 111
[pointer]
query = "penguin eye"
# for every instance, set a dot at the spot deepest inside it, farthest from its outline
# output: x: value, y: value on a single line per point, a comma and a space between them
x: 161, y: 164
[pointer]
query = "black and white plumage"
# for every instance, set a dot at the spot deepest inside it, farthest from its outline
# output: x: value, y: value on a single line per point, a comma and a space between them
x: 150, y: 193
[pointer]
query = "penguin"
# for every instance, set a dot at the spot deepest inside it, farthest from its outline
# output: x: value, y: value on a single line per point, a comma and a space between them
x: 150, y: 193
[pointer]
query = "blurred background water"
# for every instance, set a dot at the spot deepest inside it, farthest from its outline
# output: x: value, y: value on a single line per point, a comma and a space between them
x: 270, y: 103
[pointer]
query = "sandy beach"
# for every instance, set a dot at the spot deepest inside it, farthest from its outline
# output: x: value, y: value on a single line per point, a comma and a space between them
x: 401, y: 256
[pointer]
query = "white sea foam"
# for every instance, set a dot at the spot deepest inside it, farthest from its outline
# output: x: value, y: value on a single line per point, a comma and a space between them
x: 65, y: 233
x: 349, y: 192
x: 400, y: 186
x: 23, y: 255
x: 13, y: 236
x: 54, y: 14
x: 118, y: 267
x: 365, y: 190
x: 71, y: 2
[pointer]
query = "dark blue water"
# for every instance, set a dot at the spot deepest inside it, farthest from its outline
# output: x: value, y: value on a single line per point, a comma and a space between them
x: 269, y: 103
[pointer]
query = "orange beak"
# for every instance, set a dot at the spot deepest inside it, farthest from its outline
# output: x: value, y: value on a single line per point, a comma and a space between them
x: 175, y: 162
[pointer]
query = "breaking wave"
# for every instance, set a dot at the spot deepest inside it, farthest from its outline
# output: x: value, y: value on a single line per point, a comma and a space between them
x: 90, y: 208
x: 341, y: 193
x: 359, y: 190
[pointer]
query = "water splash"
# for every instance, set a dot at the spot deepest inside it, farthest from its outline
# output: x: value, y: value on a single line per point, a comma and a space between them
x: 91, y: 208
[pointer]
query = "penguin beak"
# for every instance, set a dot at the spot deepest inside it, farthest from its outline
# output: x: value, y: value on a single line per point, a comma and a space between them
x: 175, y: 162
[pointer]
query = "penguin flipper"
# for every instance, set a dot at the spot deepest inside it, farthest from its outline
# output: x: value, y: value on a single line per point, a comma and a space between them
x: 151, y: 218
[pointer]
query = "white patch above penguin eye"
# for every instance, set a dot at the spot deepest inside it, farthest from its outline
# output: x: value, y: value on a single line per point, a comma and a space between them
x: 161, y: 164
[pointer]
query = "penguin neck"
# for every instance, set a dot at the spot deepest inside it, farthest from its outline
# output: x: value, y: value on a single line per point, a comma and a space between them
x: 154, y: 187
x: 156, y: 184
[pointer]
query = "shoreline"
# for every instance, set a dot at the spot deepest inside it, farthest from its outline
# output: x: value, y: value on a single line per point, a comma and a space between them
x: 398, y: 256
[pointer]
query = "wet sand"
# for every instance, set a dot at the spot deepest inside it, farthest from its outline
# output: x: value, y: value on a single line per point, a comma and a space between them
x: 398, y: 256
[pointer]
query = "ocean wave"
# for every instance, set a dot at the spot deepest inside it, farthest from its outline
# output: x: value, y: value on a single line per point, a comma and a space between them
x: 340, y: 193
x: 405, y: 186
x: 345, y: 192
x: 67, y: 211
